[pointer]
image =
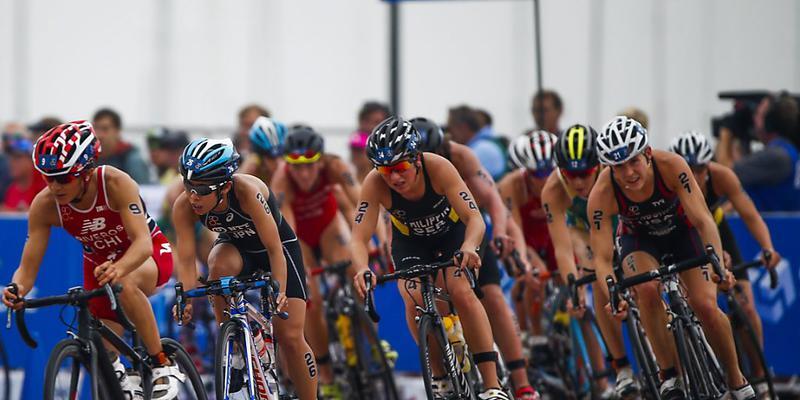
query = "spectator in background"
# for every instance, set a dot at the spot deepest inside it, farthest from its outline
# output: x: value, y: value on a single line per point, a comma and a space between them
x: 370, y: 115
x: 25, y: 182
x: 770, y: 176
x: 485, y: 121
x: 42, y: 126
x: 115, y: 151
x: 638, y: 115
x: 247, y: 116
x: 165, y: 147
x: 465, y: 128
x: 546, y: 108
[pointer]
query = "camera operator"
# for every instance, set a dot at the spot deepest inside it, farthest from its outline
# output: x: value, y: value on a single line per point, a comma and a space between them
x: 770, y: 176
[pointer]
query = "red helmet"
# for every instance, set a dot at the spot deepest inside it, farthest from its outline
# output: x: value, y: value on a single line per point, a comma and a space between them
x: 68, y: 148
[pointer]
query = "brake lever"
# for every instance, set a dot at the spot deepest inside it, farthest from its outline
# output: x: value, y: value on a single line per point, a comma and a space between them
x: 276, y: 286
x: 573, y: 291
x: 369, y: 299
x: 773, y: 275
x: 613, y: 295
x: 180, y: 302
x: 14, y: 289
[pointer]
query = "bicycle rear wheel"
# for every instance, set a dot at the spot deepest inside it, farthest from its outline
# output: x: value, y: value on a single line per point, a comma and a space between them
x: 193, y: 387
x: 66, y: 371
x: 457, y: 380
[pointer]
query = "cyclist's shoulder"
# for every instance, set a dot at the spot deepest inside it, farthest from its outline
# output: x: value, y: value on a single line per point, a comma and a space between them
x: 554, y: 192
x: 511, y: 181
x: 723, y: 179
x: 245, y: 184
x: 603, y: 189
x: 44, y: 208
x: 464, y: 159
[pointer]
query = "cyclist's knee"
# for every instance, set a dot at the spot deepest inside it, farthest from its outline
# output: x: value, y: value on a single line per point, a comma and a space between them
x: 648, y: 295
x: 706, y: 308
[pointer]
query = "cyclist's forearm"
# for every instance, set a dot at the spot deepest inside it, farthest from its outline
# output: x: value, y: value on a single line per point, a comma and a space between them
x: 277, y: 265
x: 709, y: 233
x: 25, y: 278
x: 758, y: 228
x: 360, y: 255
x: 135, y: 256
x: 474, y: 234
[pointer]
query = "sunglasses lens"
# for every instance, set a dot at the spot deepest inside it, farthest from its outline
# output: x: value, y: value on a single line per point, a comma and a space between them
x: 399, y: 167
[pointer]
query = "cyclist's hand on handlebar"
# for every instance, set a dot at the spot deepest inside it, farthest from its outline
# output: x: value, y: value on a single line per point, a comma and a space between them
x: 11, y: 300
x: 726, y: 285
x: 580, y: 309
x: 107, y: 272
x: 187, y: 313
x: 469, y: 259
x: 770, y: 258
x: 506, y: 245
x: 281, y: 302
x: 622, y: 310
x: 358, y: 282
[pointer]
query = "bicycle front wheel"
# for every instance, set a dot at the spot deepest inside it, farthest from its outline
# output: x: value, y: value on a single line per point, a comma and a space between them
x: 455, y: 379
x: 66, y: 371
x: 229, y: 344
x: 192, y: 387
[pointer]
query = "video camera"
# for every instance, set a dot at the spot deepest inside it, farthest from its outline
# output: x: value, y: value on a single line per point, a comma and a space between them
x: 740, y: 120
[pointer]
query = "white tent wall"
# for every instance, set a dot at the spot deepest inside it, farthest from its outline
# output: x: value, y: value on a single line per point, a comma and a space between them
x: 194, y: 63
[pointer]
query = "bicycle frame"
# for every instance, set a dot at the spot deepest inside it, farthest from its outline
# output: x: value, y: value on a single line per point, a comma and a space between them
x: 241, y: 312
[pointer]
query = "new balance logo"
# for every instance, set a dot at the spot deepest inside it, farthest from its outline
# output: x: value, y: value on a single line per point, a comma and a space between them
x: 93, y: 225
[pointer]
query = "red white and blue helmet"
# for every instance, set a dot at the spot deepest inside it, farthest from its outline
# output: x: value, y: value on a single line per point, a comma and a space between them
x: 68, y: 148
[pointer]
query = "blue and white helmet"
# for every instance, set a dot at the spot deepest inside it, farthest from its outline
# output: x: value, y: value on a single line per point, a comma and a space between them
x: 621, y: 139
x: 209, y: 160
x: 694, y: 147
x: 393, y: 140
x: 268, y: 136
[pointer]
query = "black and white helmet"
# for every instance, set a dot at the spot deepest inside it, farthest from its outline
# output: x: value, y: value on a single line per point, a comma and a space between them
x: 621, y: 139
x: 393, y: 140
x: 694, y: 147
x: 534, y: 150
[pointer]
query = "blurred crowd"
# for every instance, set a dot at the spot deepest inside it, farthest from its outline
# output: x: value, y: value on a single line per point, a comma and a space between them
x: 760, y: 142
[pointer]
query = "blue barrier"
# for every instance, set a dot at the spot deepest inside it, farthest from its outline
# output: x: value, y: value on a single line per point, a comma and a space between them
x: 62, y: 269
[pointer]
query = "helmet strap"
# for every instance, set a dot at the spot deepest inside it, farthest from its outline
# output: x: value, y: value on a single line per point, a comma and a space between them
x: 219, y: 196
x: 85, y: 178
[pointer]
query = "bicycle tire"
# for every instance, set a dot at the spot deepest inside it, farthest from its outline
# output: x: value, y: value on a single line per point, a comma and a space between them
x: 186, y: 365
x: 384, y: 374
x: 648, y: 369
x: 229, y: 333
x: 688, y: 370
x: 461, y: 388
x: 6, y: 372
x: 714, y: 380
x: 62, y: 350
x: 750, y: 336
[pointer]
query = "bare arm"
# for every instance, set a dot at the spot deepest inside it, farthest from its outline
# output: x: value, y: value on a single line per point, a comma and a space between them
x: 444, y: 177
x: 365, y: 220
x: 679, y: 178
x: 729, y: 186
x: 123, y: 193
x: 554, y: 203
x: 253, y: 194
x: 346, y: 207
x: 341, y: 174
x: 183, y: 220
x: 284, y: 195
x: 602, y: 207
x: 40, y: 221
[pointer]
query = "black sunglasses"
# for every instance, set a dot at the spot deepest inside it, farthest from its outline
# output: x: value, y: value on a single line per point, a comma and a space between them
x: 201, y: 190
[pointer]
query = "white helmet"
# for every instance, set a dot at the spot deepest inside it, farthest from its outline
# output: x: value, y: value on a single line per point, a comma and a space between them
x: 620, y: 140
x: 694, y: 147
x: 535, y: 150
